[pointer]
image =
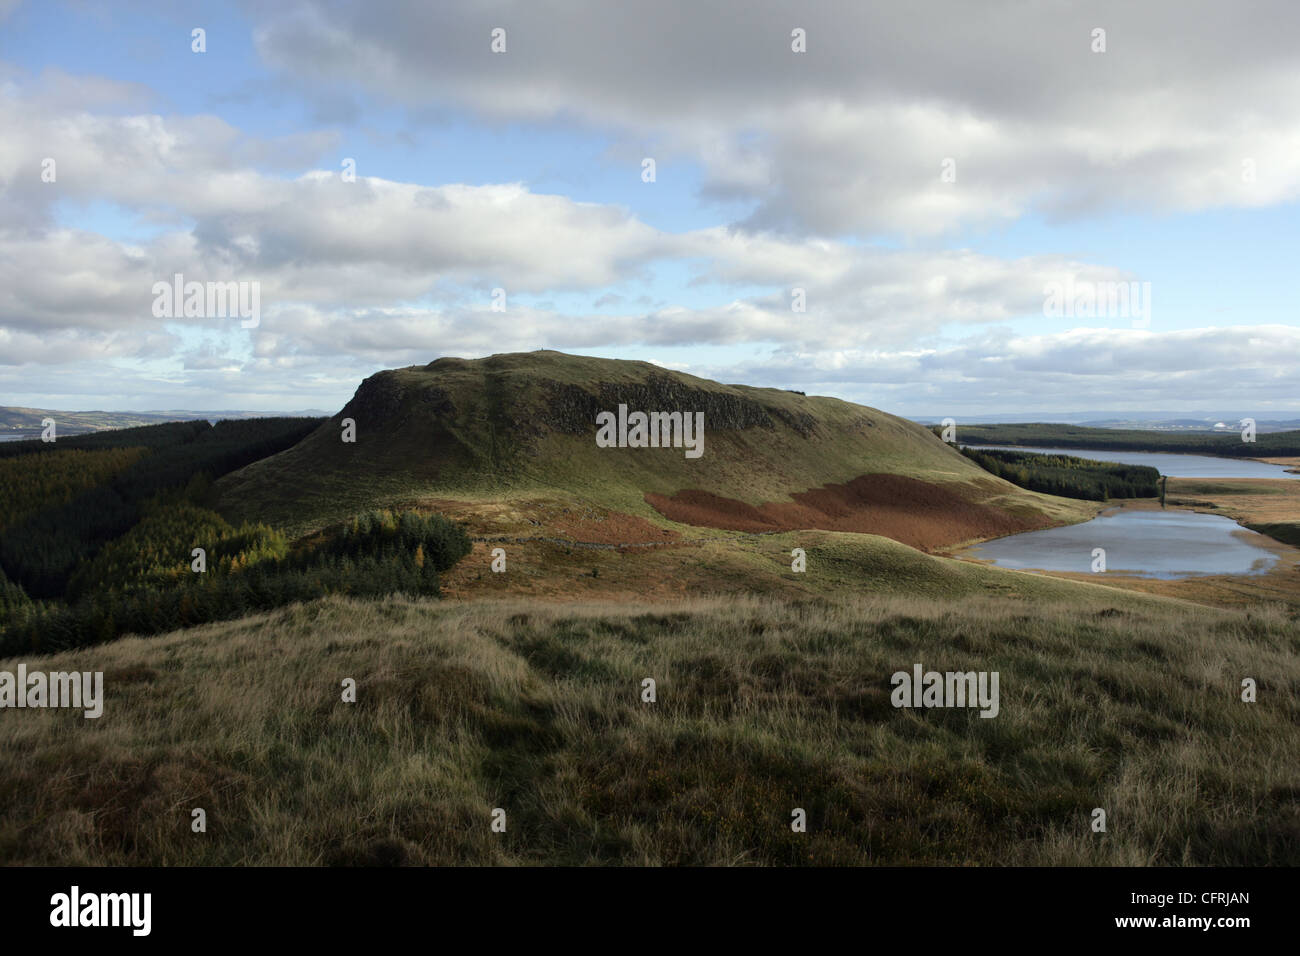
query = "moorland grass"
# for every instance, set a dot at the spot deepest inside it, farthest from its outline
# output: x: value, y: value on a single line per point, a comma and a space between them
x: 763, y: 706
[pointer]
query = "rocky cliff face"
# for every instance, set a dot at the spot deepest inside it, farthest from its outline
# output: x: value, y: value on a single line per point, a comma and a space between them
x: 384, y: 400
x: 573, y: 409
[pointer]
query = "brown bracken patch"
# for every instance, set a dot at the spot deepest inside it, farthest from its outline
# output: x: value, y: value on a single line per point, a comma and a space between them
x: 917, y: 513
x: 599, y: 526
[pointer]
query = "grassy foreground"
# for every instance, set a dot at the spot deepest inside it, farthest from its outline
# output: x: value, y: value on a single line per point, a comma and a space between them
x: 763, y: 706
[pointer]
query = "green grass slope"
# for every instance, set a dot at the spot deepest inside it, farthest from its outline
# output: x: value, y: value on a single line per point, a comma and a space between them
x: 524, y: 423
x: 837, y: 564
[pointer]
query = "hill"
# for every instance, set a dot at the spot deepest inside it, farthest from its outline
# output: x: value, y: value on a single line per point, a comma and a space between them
x: 27, y: 422
x: 522, y: 428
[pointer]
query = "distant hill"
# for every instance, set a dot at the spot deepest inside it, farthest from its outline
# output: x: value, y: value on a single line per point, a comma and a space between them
x: 1145, y: 421
x: 26, y: 422
x: 19, y: 422
x: 522, y: 427
x: 1226, y: 442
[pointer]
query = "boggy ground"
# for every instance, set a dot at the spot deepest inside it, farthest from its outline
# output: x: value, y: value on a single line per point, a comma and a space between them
x: 560, y: 548
x: 563, y: 549
x: 1268, y: 505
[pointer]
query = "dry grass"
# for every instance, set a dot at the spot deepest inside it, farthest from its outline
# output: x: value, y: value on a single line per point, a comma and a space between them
x: 1251, y: 501
x: 764, y: 705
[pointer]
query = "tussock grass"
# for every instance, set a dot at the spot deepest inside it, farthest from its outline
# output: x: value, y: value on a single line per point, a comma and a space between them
x: 763, y: 705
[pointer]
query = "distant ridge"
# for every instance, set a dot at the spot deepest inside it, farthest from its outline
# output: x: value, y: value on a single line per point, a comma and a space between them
x: 1152, y: 421
x: 26, y: 422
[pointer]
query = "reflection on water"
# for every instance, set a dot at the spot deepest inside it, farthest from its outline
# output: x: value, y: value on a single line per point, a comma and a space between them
x: 1155, y: 544
x: 1173, y: 465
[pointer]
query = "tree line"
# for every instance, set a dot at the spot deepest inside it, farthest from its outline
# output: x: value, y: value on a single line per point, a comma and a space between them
x: 148, y: 582
x: 42, y: 547
x: 1068, y: 476
x: 108, y: 533
x: 1227, y: 444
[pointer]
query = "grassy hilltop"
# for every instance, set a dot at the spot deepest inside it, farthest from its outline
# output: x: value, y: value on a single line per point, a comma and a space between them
x: 522, y: 425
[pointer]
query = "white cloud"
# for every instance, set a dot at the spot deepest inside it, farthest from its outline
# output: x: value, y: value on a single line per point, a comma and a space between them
x: 356, y: 254
x: 849, y: 137
x: 1070, y: 370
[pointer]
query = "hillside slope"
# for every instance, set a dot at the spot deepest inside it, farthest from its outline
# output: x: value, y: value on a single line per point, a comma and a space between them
x: 762, y: 706
x: 523, y: 425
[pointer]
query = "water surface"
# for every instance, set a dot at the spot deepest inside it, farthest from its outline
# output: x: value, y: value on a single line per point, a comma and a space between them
x: 1139, y: 542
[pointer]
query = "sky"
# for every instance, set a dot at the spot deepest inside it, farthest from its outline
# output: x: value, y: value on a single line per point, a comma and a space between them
x: 912, y: 205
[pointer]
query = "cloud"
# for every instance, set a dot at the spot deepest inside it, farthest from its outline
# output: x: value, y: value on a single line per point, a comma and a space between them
x: 1069, y: 370
x: 104, y: 149
x: 849, y: 137
x: 848, y: 140
x: 358, y: 253
x: 328, y: 278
